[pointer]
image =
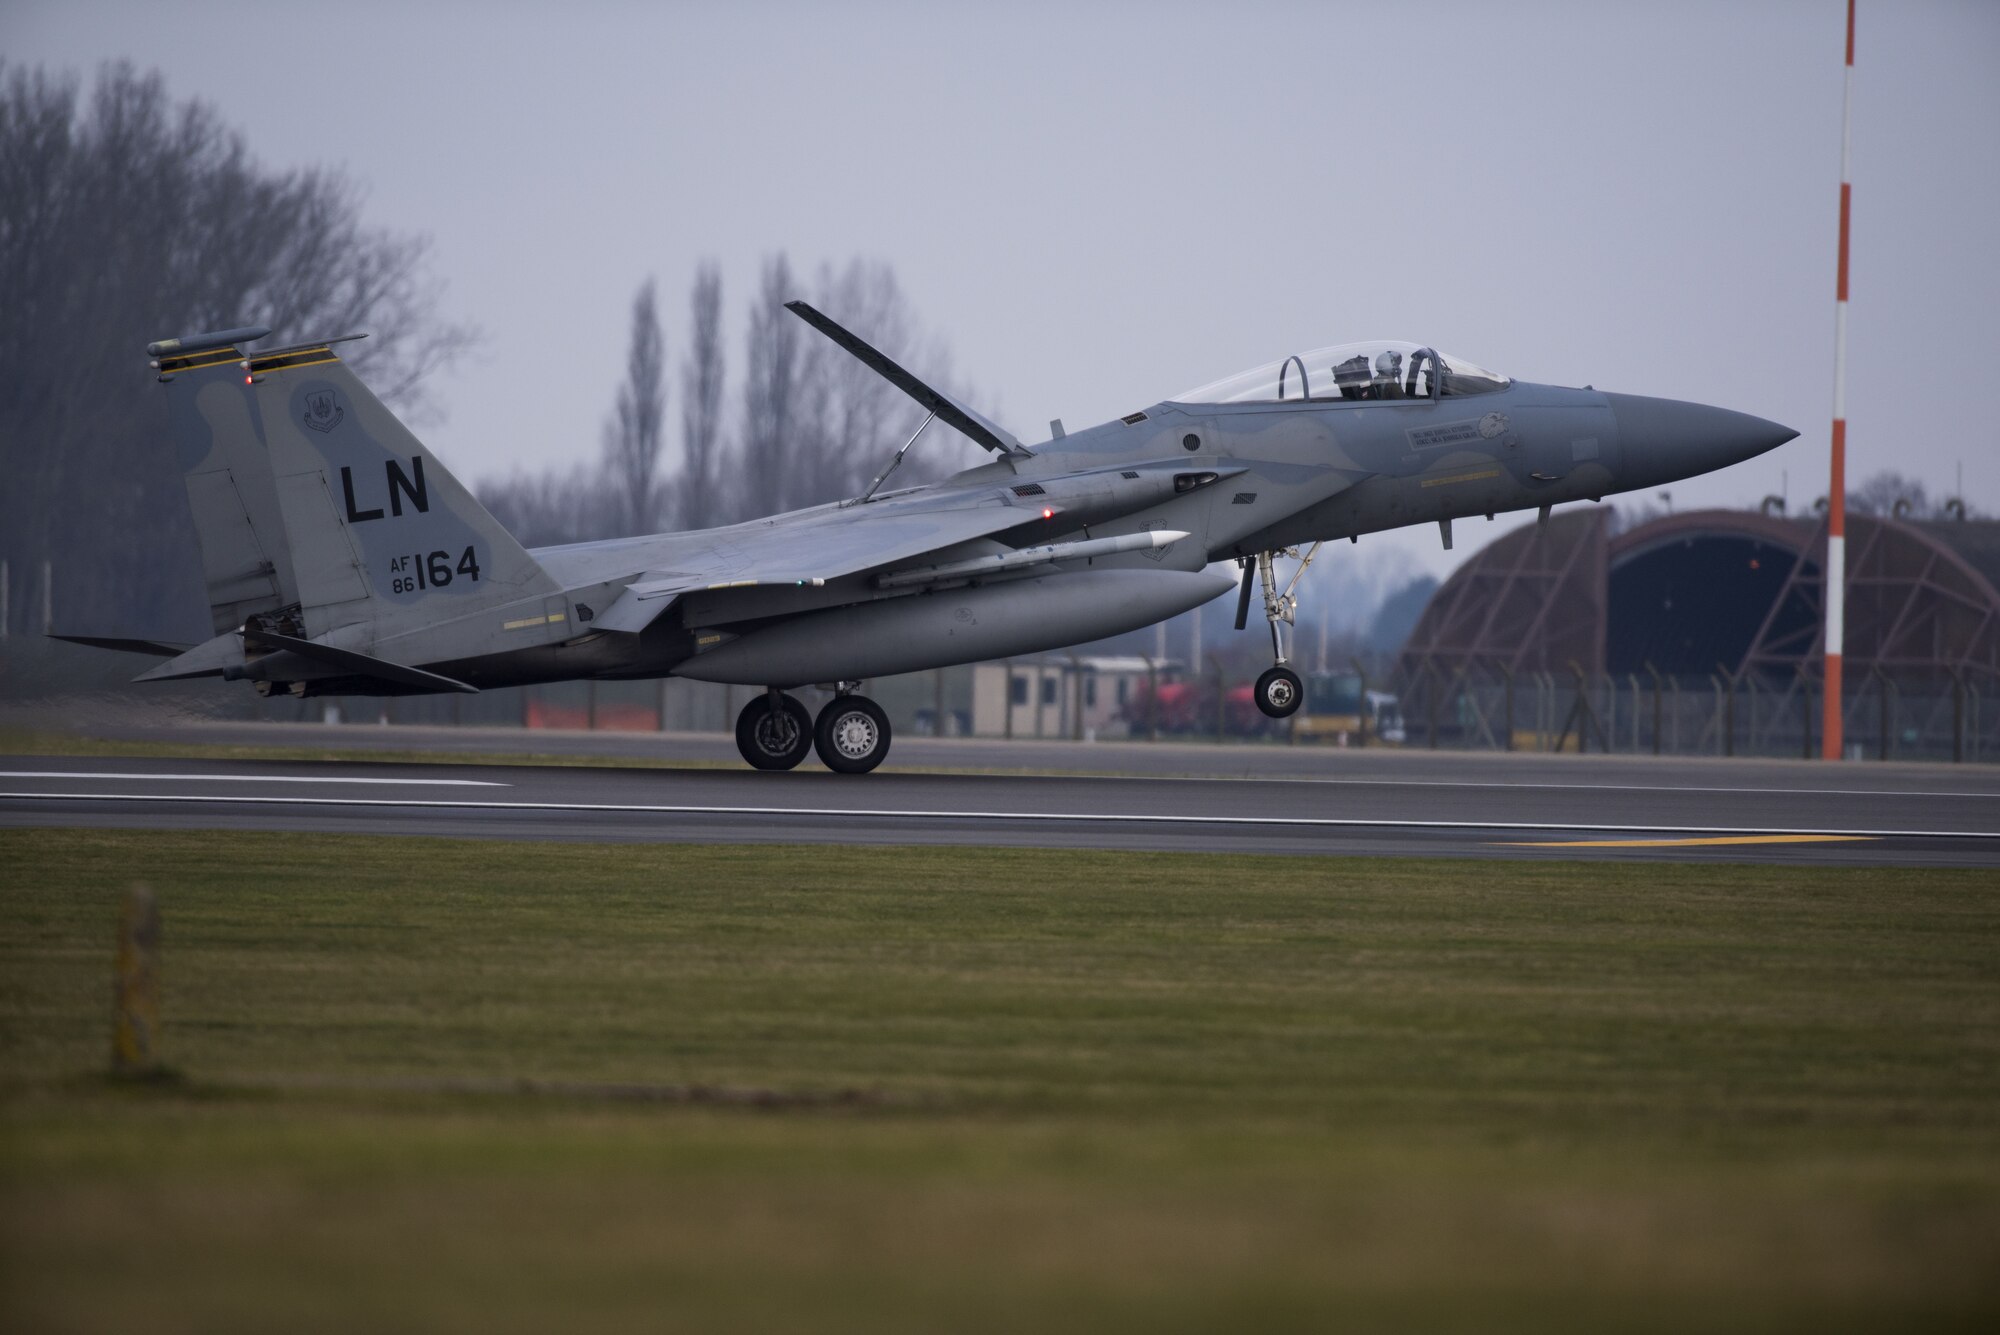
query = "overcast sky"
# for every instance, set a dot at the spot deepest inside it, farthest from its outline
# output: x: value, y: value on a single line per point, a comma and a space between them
x: 1096, y: 205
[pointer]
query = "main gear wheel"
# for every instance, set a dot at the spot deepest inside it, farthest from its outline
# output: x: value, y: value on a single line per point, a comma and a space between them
x: 774, y: 731
x: 852, y: 734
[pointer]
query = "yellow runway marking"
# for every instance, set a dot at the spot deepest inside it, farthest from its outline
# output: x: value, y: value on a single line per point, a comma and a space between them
x: 1689, y: 843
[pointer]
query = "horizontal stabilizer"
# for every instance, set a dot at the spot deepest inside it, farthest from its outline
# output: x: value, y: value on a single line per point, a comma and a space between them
x: 157, y: 648
x: 361, y: 665
x: 217, y: 657
x: 949, y: 410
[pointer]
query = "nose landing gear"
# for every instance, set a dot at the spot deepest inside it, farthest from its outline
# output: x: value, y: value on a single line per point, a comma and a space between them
x: 1278, y: 692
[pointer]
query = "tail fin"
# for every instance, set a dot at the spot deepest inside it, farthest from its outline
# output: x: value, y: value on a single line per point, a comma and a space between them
x: 211, y: 420
x: 386, y: 545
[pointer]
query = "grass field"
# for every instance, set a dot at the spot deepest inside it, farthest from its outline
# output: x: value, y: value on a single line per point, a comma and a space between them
x: 1002, y: 1090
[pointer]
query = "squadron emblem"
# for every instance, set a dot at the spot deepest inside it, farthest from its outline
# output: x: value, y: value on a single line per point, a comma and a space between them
x: 1492, y: 424
x: 322, y: 412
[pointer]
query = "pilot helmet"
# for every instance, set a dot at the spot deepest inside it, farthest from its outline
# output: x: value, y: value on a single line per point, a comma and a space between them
x: 1389, y: 364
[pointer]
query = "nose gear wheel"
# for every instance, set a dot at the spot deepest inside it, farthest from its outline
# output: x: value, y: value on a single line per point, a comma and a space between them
x: 1279, y: 692
x: 774, y: 732
x: 852, y: 734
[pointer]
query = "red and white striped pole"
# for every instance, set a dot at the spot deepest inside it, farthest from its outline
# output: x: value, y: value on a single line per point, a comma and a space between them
x: 1836, y: 496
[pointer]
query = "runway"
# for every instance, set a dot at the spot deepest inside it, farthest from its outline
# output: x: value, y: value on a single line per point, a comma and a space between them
x: 948, y: 792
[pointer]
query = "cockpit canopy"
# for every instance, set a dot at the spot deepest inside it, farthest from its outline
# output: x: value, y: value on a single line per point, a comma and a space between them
x: 1386, y: 369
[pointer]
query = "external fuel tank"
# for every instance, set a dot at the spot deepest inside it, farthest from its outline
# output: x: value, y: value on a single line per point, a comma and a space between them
x: 948, y: 626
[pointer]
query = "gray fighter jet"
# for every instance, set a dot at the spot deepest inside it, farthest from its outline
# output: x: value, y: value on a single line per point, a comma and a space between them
x: 342, y: 558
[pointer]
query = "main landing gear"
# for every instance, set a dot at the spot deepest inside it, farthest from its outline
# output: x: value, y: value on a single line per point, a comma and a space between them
x: 1278, y: 692
x: 852, y: 735
x: 774, y: 732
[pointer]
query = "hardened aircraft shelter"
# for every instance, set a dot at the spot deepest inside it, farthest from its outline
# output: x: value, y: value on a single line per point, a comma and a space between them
x: 1702, y: 632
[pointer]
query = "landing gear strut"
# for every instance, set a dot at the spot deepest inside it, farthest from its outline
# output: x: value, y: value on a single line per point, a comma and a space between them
x: 1278, y: 692
x: 774, y: 731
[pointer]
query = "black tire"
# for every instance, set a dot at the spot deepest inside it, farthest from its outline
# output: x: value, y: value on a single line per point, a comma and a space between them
x: 774, y: 739
x: 1279, y: 692
x: 852, y: 734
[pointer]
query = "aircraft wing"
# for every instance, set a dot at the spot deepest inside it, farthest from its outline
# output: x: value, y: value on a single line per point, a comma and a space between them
x: 808, y: 550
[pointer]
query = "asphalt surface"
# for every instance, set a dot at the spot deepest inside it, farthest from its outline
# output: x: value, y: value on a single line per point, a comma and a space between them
x: 1113, y: 795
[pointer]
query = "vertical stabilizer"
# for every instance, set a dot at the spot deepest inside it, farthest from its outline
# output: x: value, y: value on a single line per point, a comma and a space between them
x: 211, y: 421
x: 388, y: 548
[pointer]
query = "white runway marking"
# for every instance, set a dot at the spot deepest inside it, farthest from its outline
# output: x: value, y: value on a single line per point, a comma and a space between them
x: 1016, y: 817
x: 243, y: 778
x: 1558, y: 787
x: 1341, y: 782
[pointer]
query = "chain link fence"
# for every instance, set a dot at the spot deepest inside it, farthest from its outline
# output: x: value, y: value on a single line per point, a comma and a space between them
x: 1750, y: 714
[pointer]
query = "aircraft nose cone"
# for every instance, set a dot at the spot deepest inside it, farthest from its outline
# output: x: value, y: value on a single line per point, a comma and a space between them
x: 1676, y: 440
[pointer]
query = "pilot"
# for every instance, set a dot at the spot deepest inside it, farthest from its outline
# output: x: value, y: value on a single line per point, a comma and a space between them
x: 1389, y: 375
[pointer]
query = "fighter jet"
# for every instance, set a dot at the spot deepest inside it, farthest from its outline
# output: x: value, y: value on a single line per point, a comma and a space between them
x: 341, y: 557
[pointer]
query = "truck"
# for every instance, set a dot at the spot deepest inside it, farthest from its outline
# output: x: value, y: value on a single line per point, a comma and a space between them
x: 1186, y: 706
x: 1339, y: 710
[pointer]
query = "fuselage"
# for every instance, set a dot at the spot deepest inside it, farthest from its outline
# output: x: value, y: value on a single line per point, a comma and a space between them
x: 1238, y: 478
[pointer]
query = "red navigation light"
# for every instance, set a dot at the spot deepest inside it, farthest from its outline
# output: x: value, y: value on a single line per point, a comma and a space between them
x: 1048, y: 513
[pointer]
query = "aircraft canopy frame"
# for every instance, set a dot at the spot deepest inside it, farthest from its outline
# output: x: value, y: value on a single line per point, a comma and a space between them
x: 1366, y: 372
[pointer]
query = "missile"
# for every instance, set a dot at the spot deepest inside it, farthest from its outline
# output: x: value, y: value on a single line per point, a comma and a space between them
x: 1029, y: 556
x: 189, y: 343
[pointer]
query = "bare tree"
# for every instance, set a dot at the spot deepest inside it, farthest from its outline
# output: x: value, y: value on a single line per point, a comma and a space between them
x: 818, y: 425
x: 1885, y: 492
x: 696, y: 503
x: 124, y: 217
x: 850, y: 413
x: 554, y: 506
x: 632, y: 437
x: 770, y: 393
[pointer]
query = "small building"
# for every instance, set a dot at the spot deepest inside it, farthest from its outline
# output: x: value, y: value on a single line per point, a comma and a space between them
x: 1060, y: 695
